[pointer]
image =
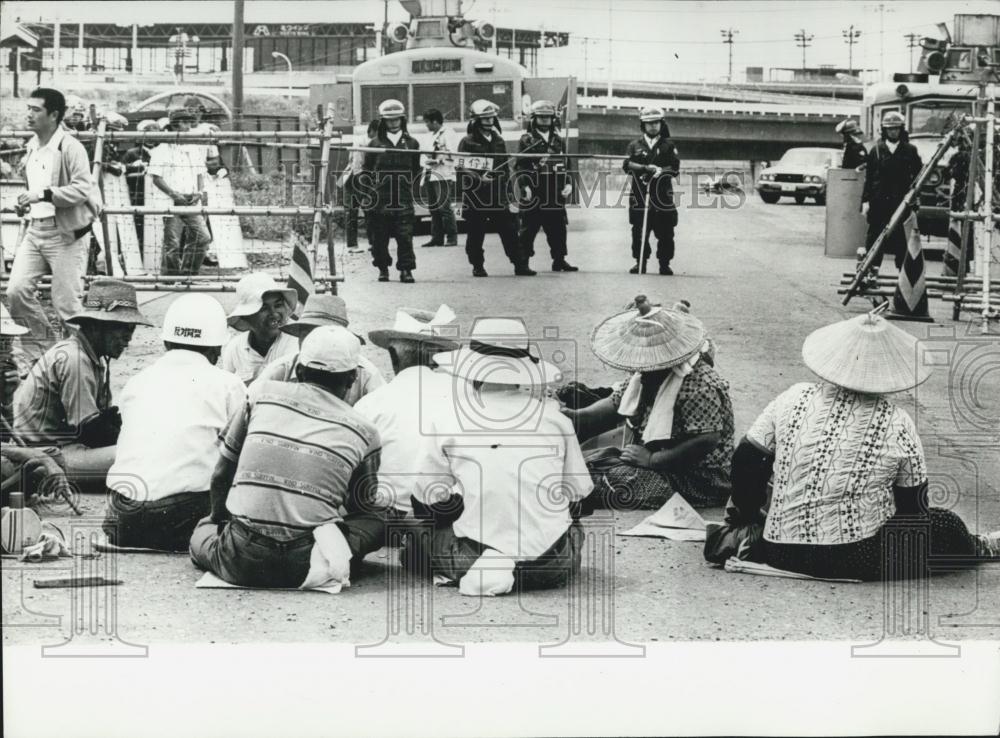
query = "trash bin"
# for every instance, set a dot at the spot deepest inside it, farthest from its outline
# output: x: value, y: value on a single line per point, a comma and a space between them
x: 845, y: 225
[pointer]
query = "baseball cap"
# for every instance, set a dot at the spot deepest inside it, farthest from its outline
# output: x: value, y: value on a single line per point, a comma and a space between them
x: 330, y: 348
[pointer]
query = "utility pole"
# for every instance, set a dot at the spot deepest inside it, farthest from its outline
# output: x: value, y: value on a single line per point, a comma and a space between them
x: 586, y: 45
x: 611, y: 54
x: 385, y: 27
x: 238, y: 64
x: 727, y: 38
x: 881, y: 41
x: 851, y: 36
x: 912, y: 42
x: 802, y: 40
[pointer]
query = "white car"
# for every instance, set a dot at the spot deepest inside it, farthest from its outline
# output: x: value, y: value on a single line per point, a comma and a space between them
x: 800, y: 173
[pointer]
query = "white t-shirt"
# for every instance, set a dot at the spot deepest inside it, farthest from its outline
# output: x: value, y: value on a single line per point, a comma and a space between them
x: 408, y: 459
x: 891, y: 145
x: 442, y: 167
x: 179, y: 165
x: 39, y: 168
x: 172, y: 414
x: 516, y: 486
x: 243, y: 361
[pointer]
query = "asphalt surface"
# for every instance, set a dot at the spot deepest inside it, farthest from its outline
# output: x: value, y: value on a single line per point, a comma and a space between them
x: 757, y: 277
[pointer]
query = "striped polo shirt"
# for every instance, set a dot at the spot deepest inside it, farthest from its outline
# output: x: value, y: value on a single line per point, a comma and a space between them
x: 301, y: 454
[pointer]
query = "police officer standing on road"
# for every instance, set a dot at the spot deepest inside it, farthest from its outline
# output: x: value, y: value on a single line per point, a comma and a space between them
x: 652, y: 161
x: 892, y: 165
x: 483, y: 176
x: 544, y: 186
x: 394, y: 174
x: 854, y: 151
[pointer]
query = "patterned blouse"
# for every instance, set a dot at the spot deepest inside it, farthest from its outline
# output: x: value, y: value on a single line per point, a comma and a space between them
x: 838, y: 455
x: 703, y: 406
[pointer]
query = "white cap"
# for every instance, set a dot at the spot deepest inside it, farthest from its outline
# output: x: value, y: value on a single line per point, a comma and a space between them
x: 331, y: 348
x: 195, y: 320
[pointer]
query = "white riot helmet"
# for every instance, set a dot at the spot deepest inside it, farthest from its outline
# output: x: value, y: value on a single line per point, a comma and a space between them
x: 195, y: 320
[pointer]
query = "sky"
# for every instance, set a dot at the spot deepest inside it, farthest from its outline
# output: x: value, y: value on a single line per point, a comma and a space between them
x: 650, y: 39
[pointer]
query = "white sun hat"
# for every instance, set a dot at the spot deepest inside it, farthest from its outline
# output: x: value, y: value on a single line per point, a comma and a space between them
x: 865, y: 354
x: 499, y: 351
x: 250, y: 293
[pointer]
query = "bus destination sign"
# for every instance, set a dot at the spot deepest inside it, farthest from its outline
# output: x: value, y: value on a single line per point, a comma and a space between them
x: 432, y: 66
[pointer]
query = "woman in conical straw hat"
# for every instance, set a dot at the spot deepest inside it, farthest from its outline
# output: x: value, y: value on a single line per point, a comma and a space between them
x: 678, y: 415
x: 847, y: 462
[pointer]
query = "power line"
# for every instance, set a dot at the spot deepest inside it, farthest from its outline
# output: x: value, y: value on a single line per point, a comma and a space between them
x: 803, y: 40
x: 727, y: 38
x: 851, y: 37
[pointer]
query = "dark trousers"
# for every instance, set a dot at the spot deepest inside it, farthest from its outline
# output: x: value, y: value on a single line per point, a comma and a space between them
x: 895, y: 242
x: 661, y: 223
x: 553, y: 222
x: 478, y: 221
x: 164, y: 524
x: 239, y: 555
x: 443, y: 226
x: 440, y: 551
x: 397, y: 224
x: 352, y: 205
x: 866, y: 559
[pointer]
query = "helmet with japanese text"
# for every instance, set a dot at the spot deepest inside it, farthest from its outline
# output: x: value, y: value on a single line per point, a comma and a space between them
x: 389, y: 109
x: 195, y: 320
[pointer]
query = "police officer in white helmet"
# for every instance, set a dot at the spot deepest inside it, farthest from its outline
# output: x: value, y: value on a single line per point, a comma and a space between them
x: 172, y: 413
x: 389, y: 178
x: 652, y: 162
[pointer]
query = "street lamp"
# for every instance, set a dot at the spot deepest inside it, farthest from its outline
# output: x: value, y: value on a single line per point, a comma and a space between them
x: 279, y: 55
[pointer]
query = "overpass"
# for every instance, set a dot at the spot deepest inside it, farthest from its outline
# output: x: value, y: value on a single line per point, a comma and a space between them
x: 728, y: 130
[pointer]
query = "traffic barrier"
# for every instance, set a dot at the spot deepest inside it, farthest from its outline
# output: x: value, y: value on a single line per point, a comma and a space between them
x: 910, y: 299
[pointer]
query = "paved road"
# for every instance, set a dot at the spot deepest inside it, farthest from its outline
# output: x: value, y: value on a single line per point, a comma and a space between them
x: 757, y: 277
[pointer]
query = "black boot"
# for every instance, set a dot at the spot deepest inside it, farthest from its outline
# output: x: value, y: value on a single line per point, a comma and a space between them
x: 406, y: 276
x: 561, y: 265
x: 665, y: 269
x: 523, y: 270
x: 431, y: 243
x: 383, y: 274
x: 479, y: 271
x: 635, y: 269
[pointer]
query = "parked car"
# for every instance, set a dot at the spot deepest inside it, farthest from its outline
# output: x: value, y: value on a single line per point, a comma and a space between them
x: 800, y: 173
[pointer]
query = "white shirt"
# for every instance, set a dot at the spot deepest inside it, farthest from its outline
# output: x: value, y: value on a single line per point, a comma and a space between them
x: 394, y: 137
x: 516, y: 486
x: 40, y: 168
x: 179, y: 165
x: 891, y: 145
x: 442, y: 167
x: 651, y: 142
x: 283, y: 370
x: 408, y: 460
x: 243, y: 361
x: 172, y: 414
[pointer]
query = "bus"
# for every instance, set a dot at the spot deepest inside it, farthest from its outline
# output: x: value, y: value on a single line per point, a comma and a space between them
x: 448, y: 78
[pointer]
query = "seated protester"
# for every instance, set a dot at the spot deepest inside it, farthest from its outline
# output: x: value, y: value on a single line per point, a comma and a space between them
x: 676, y: 407
x: 847, y: 462
x: 262, y: 308
x: 172, y: 412
x: 66, y: 398
x: 396, y: 409
x: 321, y: 310
x: 501, y: 471
x: 290, y: 459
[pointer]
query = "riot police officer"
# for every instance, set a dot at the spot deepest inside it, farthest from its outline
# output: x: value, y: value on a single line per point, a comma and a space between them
x: 391, y: 176
x: 652, y: 162
x: 543, y: 186
x: 854, y: 150
x: 483, y: 170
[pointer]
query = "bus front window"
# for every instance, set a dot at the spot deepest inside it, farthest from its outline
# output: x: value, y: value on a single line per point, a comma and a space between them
x: 936, y: 117
x: 498, y: 92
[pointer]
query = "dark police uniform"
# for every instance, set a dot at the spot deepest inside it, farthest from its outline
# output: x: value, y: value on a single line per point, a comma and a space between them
x: 386, y: 184
x: 546, y: 208
x: 888, y: 177
x: 662, y: 210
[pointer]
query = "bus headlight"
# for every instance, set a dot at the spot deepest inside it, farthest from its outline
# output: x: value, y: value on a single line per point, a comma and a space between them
x: 933, y: 179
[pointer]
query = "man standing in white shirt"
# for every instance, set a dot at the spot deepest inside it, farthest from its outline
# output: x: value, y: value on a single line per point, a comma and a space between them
x: 172, y: 414
x: 439, y: 178
x: 60, y: 202
x: 174, y: 169
x: 509, y: 517
x: 395, y: 408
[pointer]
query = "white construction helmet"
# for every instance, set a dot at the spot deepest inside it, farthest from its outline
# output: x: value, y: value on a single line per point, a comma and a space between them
x: 484, y: 109
x: 195, y: 320
x: 650, y: 114
x: 391, y: 109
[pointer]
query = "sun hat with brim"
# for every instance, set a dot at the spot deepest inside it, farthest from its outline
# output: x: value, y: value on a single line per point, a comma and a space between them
x: 319, y: 310
x: 647, y: 338
x: 250, y: 293
x: 7, y: 325
x: 500, y: 352
x: 865, y: 354
x: 112, y: 301
x: 421, y: 326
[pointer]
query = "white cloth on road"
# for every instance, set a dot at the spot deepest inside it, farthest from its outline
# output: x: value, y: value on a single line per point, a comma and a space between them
x: 675, y: 521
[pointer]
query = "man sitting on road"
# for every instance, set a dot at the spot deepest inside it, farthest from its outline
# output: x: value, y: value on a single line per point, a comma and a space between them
x: 172, y: 413
x: 291, y: 459
x: 66, y: 398
x: 262, y: 308
x: 321, y: 310
x: 395, y: 409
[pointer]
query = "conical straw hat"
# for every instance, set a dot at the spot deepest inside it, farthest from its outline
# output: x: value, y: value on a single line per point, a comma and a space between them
x: 647, y: 338
x: 865, y: 354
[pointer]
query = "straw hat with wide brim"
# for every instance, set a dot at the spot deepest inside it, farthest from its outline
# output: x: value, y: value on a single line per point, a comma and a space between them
x: 499, y: 352
x: 865, y: 354
x: 420, y: 326
x: 7, y: 325
x: 112, y: 301
x: 250, y: 293
x: 319, y: 310
x: 647, y: 338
